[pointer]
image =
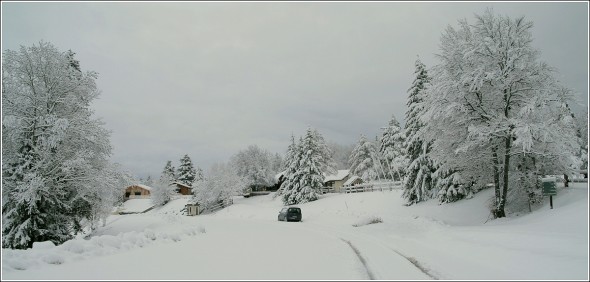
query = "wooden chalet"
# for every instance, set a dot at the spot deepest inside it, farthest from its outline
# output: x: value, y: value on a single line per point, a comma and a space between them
x: 138, y: 191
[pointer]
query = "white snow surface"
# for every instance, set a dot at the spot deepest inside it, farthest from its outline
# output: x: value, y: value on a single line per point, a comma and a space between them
x: 246, y: 242
x: 135, y: 205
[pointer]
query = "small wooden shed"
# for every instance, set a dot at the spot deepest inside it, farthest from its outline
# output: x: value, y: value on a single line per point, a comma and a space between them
x: 192, y: 209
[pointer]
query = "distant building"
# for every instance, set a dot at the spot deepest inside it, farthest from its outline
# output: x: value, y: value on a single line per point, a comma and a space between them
x: 138, y: 191
x: 183, y: 189
x: 336, y: 181
x: 352, y: 181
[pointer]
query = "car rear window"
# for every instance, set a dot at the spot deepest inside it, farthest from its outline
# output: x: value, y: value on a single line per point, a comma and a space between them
x: 295, y: 210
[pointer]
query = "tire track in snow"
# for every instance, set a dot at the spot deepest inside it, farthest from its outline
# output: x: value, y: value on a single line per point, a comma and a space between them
x: 361, y: 258
x: 417, y: 264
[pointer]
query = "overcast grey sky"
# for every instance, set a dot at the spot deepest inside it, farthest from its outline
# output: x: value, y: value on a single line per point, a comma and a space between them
x: 210, y: 78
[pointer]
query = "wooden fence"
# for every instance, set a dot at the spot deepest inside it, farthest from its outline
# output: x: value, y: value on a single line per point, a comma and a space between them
x: 327, y: 190
x: 221, y: 205
x: 370, y: 187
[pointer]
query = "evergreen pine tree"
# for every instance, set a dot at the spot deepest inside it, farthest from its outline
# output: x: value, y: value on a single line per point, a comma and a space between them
x: 364, y: 160
x: 291, y: 184
x: 149, y: 181
x: 393, y: 151
x: 169, y: 171
x: 418, y: 180
x: 308, y: 178
x: 198, y: 174
x: 290, y: 166
x: 328, y: 166
x: 186, y: 173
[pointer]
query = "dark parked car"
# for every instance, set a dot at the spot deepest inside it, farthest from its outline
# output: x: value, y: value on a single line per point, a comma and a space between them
x: 290, y: 214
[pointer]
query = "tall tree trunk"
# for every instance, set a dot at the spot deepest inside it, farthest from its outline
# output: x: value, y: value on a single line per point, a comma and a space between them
x: 496, y: 180
x: 508, y: 143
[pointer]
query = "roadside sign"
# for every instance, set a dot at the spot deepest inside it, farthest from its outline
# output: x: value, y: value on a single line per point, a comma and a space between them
x: 549, y: 187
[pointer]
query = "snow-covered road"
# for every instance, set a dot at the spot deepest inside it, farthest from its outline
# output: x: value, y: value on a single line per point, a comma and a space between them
x: 246, y: 242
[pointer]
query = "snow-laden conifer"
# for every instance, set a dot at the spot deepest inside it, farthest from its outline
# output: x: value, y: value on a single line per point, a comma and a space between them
x: 393, y: 151
x: 291, y: 165
x: 186, y: 172
x: 418, y: 181
x: 305, y: 175
x: 169, y: 171
x: 364, y: 160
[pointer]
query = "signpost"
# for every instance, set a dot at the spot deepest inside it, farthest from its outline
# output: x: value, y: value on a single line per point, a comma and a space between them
x: 549, y: 188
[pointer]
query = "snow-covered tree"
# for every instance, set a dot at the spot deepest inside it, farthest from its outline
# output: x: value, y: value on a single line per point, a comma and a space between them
x: 364, y: 160
x: 327, y: 164
x: 341, y: 153
x: 54, y: 153
x: 164, y: 190
x: 221, y: 183
x: 149, y: 181
x: 186, y: 172
x: 198, y: 174
x: 492, y: 99
x: 290, y: 155
x: 276, y: 162
x: 418, y: 180
x: 304, y: 177
x: 393, y: 151
x: 254, y: 164
x: 582, y: 127
x: 169, y: 171
x: 105, y: 192
x: 290, y: 166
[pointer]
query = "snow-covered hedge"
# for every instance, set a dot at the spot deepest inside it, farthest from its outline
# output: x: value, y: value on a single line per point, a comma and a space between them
x: 77, y: 249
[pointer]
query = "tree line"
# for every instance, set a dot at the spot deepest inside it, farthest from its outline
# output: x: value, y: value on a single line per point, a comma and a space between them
x: 489, y: 112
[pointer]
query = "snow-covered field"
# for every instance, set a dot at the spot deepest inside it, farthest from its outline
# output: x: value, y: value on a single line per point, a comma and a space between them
x: 246, y: 242
x: 135, y: 206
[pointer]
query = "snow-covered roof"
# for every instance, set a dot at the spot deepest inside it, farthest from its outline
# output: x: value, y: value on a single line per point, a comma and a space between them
x: 181, y: 184
x: 341, y: 174
x: 351, y: 180
x: 143, y: 186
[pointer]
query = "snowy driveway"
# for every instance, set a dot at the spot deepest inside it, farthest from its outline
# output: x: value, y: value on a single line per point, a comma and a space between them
x: 236, y: 249
x: 246, y: 242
